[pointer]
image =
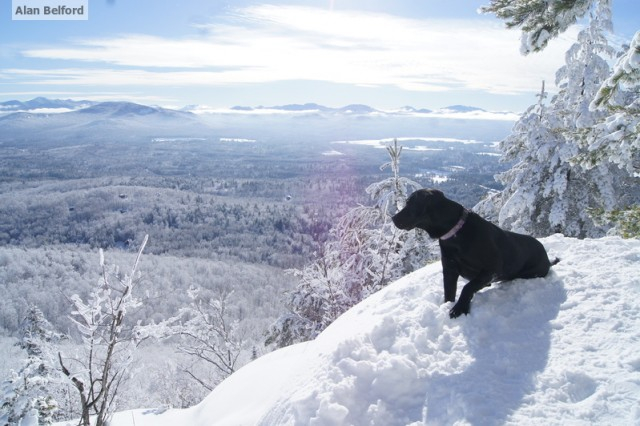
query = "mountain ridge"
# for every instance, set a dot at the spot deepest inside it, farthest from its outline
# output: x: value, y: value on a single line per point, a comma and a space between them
x: 56, y: 121
x: 120, y: 109
x: 43, y: 103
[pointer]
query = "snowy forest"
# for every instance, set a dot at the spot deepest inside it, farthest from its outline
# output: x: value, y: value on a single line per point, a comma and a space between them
x: 143, y: 273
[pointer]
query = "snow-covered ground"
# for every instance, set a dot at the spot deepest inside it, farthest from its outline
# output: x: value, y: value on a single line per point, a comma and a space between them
x: 560, y: 350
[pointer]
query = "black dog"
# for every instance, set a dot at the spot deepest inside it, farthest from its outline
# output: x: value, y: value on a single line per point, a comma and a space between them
x: 471, y: 247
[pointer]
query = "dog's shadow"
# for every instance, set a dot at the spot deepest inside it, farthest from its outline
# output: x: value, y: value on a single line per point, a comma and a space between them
x: 509, y: 336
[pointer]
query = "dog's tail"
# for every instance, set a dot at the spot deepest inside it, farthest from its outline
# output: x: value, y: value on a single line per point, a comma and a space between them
x: 555, y: 261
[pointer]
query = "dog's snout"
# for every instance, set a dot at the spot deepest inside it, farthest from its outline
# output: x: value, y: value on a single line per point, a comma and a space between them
x: 399, y: 220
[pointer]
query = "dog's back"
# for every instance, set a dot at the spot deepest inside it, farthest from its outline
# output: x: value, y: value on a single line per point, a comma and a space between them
x: 534, y: 261
x: 507, y: 254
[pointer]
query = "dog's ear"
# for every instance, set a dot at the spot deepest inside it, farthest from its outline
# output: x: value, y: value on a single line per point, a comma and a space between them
x: 415, y: 195
x: 429, y: 196
x: 424, y: 199
x: 436, y: 192
x: 433, y: 201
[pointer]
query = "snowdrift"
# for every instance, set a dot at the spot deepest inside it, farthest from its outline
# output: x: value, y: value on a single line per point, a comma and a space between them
x: 564, y: 349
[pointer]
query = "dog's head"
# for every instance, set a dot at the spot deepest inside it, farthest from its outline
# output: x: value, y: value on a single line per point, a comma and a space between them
x: 422, y: 210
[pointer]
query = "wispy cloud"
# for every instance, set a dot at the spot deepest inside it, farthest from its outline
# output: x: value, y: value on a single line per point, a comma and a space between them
x: 263, y: 44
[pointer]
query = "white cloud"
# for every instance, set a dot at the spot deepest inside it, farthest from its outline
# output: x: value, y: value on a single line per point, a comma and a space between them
x: 264, y: 44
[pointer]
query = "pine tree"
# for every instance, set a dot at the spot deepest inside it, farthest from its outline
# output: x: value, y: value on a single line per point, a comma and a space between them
x: 531, y: 144
x: 601, y: 127
x: 544, y: 191
x: 30, y: 394
x: 540, y: 20
x: 573, y: 191
x: 617, y: 137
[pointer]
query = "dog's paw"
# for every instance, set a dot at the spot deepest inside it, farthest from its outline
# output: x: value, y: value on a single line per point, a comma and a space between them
x: 459, y: 309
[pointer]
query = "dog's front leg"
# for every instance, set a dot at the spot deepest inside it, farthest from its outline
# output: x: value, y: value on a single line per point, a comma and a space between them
x: 464, y: 302
x: 450, y: 276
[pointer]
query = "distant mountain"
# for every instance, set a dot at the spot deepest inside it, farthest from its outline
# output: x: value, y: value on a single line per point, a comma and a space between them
x: 349, y: 109
x: 105, y: 121
x: 311, y: 107
x: 304, y: 107
x: 113, y: 109
x: 43, y: 103
x: 460, y: 108
x: 240, y: 108
x: 102, y: 110
x: 124, y: 109
x: 353, y: 109
x: 121, y: 109
x: 357, y: 109
x: 411, y: 110
x: 65, y: 122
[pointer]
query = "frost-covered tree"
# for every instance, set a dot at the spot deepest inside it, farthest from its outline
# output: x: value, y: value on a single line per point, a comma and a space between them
x: 540, y: 20
x: 617, y: 138
x: 208, y: 334
x: 364, y: 254
x: 530, y: 145
x: 29, y: 396
x: 544, y: 191
x: 108, y: 341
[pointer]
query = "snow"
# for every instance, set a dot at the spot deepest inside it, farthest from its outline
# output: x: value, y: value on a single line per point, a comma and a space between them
x: 333, y: 153
x: 383, y: 143
x: 178, y: 139
x: 564, y: 349
x: 433, y: 177
x: 238, y: 140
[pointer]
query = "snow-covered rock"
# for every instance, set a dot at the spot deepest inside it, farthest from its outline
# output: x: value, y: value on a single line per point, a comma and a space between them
x: 564, y: 349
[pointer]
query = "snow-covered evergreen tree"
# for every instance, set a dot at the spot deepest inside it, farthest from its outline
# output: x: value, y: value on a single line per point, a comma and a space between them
x: 540, y: 20
x: 544, y: 191
x: 617, y: 138
x: 364, y: 254
x: 29, y: 396
x: 530, y: 145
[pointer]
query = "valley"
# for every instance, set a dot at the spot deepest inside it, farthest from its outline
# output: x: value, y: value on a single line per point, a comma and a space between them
x: 230, y: 200
x: 211, y: 185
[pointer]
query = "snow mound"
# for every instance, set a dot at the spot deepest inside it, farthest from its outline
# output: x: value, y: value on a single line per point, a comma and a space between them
x: 564, y: 349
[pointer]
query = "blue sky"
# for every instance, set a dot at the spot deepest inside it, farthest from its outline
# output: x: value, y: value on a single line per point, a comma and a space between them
x: 387, y: 54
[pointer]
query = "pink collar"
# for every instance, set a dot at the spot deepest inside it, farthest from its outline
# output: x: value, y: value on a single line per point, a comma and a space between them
x: 457, y: 226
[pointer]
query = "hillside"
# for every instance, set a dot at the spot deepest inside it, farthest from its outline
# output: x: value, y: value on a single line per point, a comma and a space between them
x: 560, y: 350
